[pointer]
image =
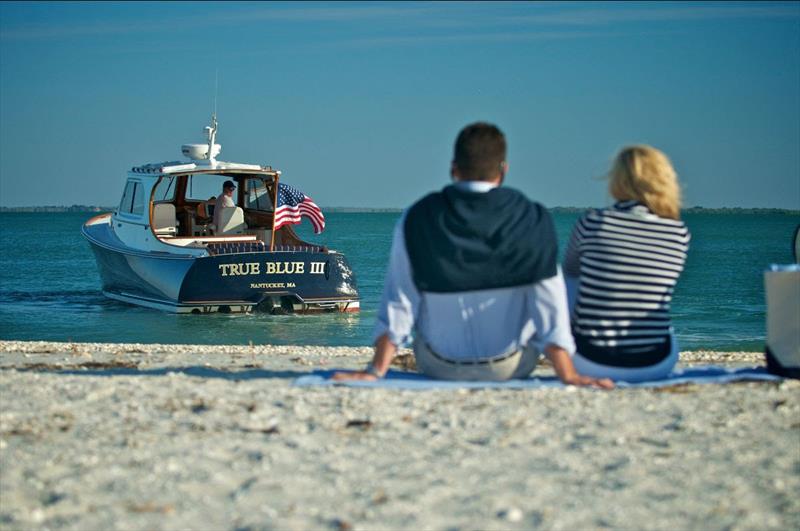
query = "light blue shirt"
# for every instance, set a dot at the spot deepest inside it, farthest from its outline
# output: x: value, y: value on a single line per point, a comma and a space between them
x: 473, y: 324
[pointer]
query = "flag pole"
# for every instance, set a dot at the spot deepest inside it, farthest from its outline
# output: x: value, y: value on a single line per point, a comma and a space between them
x: 274, y: 208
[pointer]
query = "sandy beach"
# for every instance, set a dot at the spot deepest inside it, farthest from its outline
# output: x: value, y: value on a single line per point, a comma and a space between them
x: 134, y: 436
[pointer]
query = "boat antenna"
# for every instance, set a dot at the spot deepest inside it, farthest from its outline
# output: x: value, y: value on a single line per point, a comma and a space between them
x: 211, y: 133
x: 212, y: 130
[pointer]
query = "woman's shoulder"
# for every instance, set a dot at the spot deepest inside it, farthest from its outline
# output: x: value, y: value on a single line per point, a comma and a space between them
x: 593, y: 214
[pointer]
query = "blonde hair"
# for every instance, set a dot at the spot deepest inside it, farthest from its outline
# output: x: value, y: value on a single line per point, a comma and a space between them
x: 645, y: 174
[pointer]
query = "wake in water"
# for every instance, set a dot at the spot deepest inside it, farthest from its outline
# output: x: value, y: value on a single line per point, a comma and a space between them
x: 76, y: 299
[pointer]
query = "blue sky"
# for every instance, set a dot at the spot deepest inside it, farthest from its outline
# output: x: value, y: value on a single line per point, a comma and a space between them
x: 358, y: 104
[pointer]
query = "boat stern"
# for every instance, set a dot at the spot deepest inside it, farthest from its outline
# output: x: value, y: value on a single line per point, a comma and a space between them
x: 274, y: 282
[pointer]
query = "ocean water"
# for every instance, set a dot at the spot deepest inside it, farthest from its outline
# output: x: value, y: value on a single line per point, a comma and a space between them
x: 50, y: 287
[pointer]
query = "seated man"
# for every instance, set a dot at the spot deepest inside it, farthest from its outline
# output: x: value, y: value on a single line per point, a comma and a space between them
x: 224, y: 200
x: 473, y: 270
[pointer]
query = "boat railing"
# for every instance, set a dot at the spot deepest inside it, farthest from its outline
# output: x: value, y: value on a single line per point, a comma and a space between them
x: 219, y: 248
x: 300, y: 249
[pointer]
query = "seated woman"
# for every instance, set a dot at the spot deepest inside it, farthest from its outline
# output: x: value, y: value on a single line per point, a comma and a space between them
x: 621, y: 267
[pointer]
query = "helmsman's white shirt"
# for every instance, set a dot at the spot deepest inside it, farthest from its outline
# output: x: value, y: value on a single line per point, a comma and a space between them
x: 223, y: 201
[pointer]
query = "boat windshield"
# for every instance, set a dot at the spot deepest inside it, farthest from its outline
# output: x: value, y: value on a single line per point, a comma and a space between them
x: 165, y: 189
x: 204, y: 186
x: 132, y: 199
x: 257, y: 196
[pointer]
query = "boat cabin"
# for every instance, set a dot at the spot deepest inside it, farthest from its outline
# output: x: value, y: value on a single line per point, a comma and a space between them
x: 173, y: 204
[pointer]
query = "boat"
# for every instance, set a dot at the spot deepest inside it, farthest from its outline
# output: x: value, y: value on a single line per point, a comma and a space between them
x: 161, y: 248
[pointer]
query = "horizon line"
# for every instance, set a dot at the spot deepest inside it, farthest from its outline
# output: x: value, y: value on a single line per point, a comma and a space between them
x: 95, y: 208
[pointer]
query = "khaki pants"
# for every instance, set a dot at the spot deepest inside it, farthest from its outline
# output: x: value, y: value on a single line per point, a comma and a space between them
x: 518, y: 364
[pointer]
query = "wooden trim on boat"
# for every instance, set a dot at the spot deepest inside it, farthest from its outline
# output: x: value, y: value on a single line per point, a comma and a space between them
x: 93, y: 220
x: 274, y: 209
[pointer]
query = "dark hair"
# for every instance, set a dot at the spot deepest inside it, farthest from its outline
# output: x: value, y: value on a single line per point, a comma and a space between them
x: 479, y: 152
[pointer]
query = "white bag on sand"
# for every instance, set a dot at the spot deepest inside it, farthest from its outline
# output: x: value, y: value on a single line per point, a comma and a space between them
x: 782, y: 285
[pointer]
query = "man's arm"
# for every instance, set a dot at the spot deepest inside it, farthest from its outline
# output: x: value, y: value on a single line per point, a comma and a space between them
x: 571, y: 266
x: 565, y: 370
x: 553, y: 334
x: 396, y: 313
x: 385, y: 352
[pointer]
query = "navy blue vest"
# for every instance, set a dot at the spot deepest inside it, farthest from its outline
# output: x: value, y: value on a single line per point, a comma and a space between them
x: 459, y: 240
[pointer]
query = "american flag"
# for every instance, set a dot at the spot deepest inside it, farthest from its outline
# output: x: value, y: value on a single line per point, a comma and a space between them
x: 293, y: 204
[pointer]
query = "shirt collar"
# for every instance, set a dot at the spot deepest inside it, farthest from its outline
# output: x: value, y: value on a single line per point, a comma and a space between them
x: 475, y: 186
x: 626, y: 204
x: 633, y: 206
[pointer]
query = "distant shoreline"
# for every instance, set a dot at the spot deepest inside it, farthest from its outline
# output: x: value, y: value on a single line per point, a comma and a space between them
x: 361, y: 210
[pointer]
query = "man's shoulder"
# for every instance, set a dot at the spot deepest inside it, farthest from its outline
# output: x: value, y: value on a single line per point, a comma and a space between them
x: 425, y: 205
x: 514, y: 192
x: 427, y: 199
x: 509, y: 197
x: 516, y: 199
x: 225, y: 201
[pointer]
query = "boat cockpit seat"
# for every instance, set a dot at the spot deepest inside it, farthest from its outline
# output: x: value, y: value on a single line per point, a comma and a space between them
x: 231, y: 221
x: 164, y: 222
x: 203, y: 219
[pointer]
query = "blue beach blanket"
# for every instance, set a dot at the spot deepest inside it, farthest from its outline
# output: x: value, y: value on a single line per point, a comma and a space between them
x: 414, y: 381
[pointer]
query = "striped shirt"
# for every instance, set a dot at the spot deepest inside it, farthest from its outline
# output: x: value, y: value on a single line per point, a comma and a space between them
x: 628, y: 261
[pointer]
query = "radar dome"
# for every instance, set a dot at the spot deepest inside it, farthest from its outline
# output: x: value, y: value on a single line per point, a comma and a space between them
x: 199, y: 151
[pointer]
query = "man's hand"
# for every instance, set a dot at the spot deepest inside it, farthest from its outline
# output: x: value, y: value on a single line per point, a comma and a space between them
x: 587, y: 381
x: 566, y: 372
x: 354, y: 376
x: 385, y: 351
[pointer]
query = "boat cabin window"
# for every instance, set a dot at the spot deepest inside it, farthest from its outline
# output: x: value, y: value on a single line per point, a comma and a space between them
x: 257, y: 196
x: 202, y: 187
x: 132, y: 199
x: 165, y: 189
